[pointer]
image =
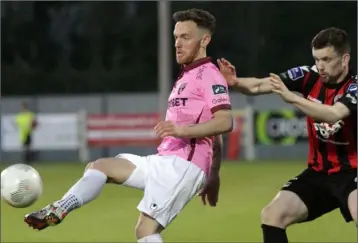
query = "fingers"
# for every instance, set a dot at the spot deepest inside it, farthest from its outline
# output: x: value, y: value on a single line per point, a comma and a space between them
x: 222, y: 62
x: 164, y: 129
x: 201, y: 192
x: 275, y: 81
x: 275, y: 76
x: 225, y: 62
x: 213, y: 197
x: 221, y: 66
x: 203, y: 199
x: 275, y: 85
x: 212, y: 201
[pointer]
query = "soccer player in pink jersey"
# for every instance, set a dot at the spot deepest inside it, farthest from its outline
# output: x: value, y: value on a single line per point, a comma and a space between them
x: 198, y: 114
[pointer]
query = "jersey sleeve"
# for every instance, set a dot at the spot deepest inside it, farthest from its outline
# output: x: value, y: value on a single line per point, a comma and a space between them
x: 294, y: 78
x: 216, y: 92
x: 349, y: 98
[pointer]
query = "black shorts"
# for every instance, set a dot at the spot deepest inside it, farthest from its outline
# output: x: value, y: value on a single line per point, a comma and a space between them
x: 27, y: 141
x: 323, y: 193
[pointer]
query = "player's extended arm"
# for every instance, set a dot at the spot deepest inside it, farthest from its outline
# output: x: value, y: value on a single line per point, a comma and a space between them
x: 222, y: 122
x: 248, y: 86
x: 252, y: 86
x: 321, y: 112
x: 217, y: 153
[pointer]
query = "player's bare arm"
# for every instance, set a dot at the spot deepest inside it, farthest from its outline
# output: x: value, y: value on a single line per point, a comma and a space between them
x: 248, y: 86
x: 321, y: 112
x: 217, y: 153
x: 222, y: 122
x: 210, y: 193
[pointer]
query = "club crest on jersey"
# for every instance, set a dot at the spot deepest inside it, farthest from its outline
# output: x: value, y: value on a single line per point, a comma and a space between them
x: 181, y: 88
x: 353, y: 88
x: 295, y: 73
x: 219, y: 89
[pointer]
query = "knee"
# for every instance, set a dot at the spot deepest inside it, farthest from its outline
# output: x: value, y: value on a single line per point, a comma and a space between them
x: 147, y: 226
x: 275, y: 216
x: 96, y: 165
x: 89, y: 165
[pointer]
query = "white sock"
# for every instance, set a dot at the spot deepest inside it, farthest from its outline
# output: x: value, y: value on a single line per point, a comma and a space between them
x: 84, y: 191
x: 156, y: 238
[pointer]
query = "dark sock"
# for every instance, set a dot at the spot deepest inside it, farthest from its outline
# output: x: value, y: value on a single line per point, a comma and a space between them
x: 27, y: 156
x: 274, y: 234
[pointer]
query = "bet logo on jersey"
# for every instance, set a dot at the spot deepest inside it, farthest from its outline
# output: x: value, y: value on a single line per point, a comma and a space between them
x: 177, y: 102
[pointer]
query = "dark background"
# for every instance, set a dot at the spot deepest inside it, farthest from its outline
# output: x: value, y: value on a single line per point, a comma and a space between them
x: 85, y: 47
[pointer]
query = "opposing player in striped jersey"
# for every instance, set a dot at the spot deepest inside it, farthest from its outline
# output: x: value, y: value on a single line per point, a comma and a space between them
x: 329, y: 91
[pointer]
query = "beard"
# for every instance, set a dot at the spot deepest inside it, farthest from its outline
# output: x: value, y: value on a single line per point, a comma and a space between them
x: 329, y: 79
x: 191, y: 56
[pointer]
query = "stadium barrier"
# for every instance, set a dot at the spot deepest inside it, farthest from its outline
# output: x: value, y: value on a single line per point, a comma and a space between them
x: 82, y: 131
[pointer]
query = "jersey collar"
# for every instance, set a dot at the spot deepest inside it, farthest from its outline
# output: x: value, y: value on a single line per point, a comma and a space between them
x: 196, y: 63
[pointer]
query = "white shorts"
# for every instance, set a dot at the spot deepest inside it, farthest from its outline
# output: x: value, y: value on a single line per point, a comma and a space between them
x: 169, y: 183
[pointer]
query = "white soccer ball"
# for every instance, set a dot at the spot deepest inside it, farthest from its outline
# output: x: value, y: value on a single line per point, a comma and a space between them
x: 21, y: 185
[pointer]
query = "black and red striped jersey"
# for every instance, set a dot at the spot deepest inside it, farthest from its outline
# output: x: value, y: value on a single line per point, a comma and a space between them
x: 332, y: 147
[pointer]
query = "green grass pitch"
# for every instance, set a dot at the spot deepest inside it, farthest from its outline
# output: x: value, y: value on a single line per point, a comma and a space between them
x: 245, y: 189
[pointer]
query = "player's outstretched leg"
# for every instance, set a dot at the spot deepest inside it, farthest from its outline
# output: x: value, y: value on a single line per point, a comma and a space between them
x: 148, y: 229
x: 352, y: 205
x: 285, y: 209
x: 97, y: 173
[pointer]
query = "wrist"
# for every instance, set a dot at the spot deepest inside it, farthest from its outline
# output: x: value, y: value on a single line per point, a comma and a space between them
x: 184, y: 131
x: 295, y: 98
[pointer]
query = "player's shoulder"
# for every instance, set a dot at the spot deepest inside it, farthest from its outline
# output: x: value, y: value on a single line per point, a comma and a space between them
x: 207, y: 72
x: 299, y: 72
x: 303, y: 69
x: 208, y: 68
x: 353, y: 87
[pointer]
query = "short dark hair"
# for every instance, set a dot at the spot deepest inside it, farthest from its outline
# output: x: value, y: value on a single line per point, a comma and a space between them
x: 202, y: 18
x: 334, y: 37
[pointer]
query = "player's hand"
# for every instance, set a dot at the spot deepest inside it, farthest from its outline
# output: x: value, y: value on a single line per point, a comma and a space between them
x: 210, y: 193
x: 280, y: 88
x: 228, y: 71
x: 168, y: 128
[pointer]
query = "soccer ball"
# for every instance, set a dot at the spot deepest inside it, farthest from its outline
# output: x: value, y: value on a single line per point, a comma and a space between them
x: 21, y: 185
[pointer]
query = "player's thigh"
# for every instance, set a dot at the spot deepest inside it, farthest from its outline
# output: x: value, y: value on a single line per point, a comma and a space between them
x: 345, y: 189
x: 124, y: 169
x: 171, y: 183
x: 352, y: 204
x: 301, y: 199
x: 285, y: 209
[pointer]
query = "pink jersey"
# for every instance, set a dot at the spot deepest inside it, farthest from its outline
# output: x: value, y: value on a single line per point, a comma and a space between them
x: 199, y: 91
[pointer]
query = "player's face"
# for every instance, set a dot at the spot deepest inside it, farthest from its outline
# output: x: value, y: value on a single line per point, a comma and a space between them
x: 330, y: 64
x: 188, y: 41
